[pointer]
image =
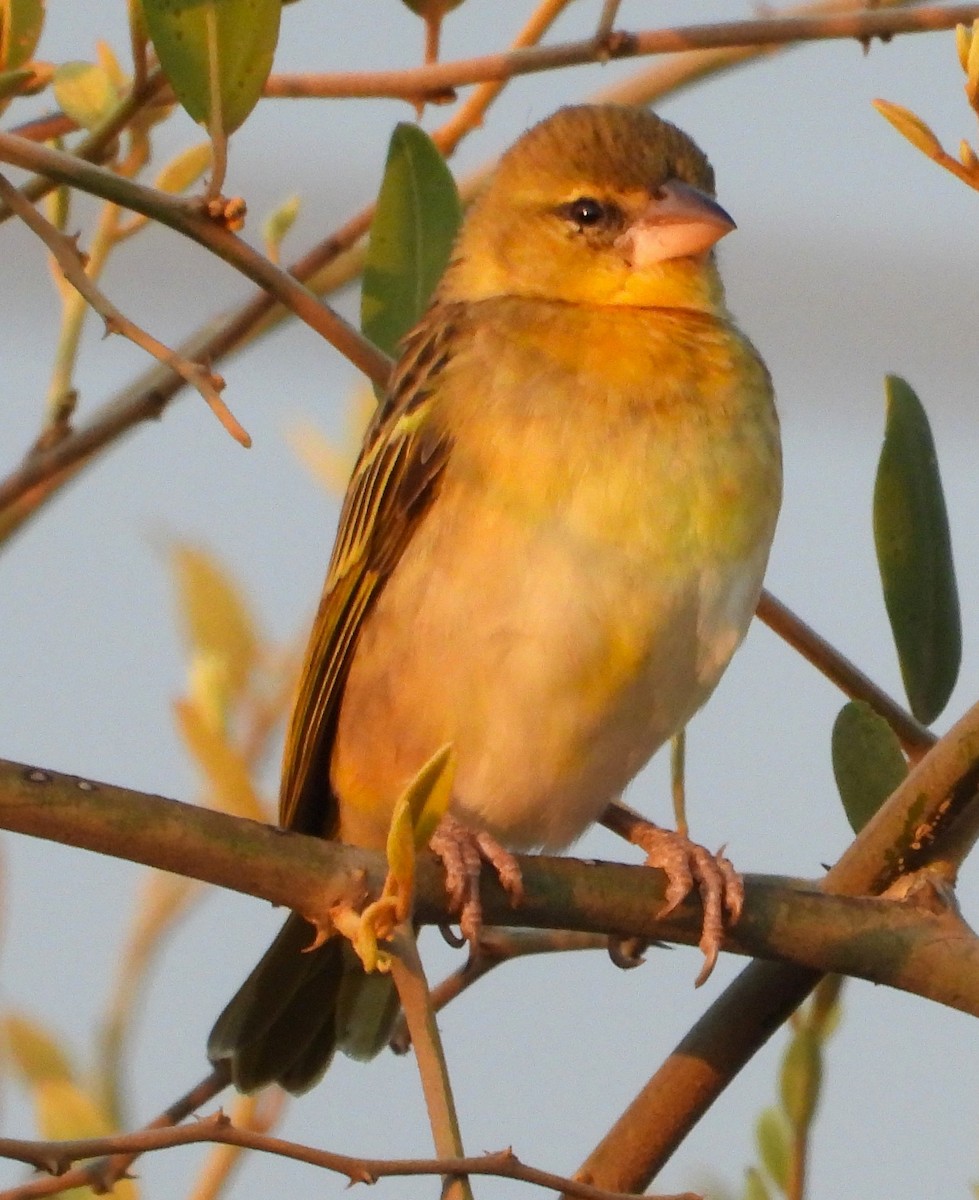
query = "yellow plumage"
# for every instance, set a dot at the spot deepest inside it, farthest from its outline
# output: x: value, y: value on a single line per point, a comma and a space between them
x: 552, y: 543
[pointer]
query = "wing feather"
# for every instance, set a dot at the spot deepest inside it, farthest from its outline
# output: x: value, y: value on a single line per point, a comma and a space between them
x: 393, y: 482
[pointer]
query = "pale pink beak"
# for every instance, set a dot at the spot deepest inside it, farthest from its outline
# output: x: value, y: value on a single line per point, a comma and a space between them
x: 679, y: 222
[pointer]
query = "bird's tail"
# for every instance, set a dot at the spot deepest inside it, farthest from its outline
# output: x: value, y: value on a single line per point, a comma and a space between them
x: 295, y: 1009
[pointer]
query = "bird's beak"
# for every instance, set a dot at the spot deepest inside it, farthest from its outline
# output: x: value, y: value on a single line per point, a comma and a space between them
x: 680, y: 221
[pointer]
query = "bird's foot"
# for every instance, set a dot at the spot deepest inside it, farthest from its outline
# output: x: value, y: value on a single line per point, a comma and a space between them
x: 688, y: 865
x: 463, y: 852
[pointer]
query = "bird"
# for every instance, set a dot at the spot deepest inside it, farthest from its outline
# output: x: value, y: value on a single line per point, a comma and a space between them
x: 552, y: 542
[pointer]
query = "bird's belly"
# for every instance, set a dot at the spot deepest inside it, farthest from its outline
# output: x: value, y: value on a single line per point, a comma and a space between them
x: 556, y: 674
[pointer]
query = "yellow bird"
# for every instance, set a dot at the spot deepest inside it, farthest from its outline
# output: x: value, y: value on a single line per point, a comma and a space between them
x: 551, y: 545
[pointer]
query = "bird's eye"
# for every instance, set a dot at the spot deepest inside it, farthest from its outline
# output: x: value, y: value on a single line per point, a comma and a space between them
x: 586, y: 212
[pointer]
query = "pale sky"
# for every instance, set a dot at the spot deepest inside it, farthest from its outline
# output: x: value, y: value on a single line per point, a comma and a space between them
x: 854, y: 257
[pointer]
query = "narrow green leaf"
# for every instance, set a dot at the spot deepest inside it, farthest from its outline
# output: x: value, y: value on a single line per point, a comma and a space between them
x: 914, y: 553
x: 32, y: 1050
x: 772, y: 1135
x: 867, y: 761
x: 432, y: 10
x: 220, y: 762
x: 278, y: 223
x: 21, y: 22
x: 800, y: 1080
x: 229, y: 42
x: 415, y: 223
x: 11, y: 82
x: 429, y: 793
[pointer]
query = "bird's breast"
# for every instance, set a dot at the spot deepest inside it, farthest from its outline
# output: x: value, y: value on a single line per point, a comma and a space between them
x: 590, y: 564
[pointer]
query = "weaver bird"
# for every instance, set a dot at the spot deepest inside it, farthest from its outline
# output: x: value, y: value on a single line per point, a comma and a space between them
x: 551, y: 545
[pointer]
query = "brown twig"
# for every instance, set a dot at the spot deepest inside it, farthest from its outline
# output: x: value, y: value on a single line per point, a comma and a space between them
x: 416, y: 1005
x: 917, y: 823
x: 66, y: 254
x: 260, y: 1113
x: 116, y: 1158
x: 186, y: 217
x: 435, y: 78
x: 92, y: 147
x: 26, y: 489
x: 217, y: 1128
x: 914, y: 737
x: 934, y: 816
x: 498, y: 946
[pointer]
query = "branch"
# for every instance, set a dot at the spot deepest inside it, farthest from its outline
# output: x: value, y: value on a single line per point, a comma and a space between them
x: 106, y: 1171
x: 932, y: 814
x: 435, y: 80
x: 52, y: 1157
x: 783, y: 919
x: 93, y: 147
x: 416, y: 1006
x: 914, y: 737
x: 66, y: 254
x: 37, y: 480
x: 186, y: 217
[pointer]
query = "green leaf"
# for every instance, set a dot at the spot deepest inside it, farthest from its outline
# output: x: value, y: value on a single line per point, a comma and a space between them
x: 772, y: 1135
x: 229, y: 42
x: 64, y: 1111
x: 432, y: 10
x: 429, y: 793
x: 11, y: 82
x: 84, y: 92
x: 800, y: 1079
x: 867, y: 761
x: 277, y: 224
x: 914, y: 553
x: 21, y: 22
x: 415, y: 223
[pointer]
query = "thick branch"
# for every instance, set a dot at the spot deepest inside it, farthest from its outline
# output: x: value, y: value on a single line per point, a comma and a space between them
x: 930, y: 819
x: 880, y: 940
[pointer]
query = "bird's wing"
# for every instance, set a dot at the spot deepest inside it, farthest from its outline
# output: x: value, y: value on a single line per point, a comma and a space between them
x: 393, y: 482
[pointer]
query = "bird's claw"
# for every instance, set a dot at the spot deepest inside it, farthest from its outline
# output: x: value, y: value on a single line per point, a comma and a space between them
x: 688, y: 865
x: 463, y: 853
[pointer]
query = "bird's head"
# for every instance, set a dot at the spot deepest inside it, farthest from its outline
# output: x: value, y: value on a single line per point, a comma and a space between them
x: 598, y: 204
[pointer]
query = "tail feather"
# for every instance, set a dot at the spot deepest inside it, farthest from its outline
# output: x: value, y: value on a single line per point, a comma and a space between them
x: 296, y: 1008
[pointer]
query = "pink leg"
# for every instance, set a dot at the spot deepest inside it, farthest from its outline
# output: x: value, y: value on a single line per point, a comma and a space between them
x: 688, y: 865
x: 463, y: 853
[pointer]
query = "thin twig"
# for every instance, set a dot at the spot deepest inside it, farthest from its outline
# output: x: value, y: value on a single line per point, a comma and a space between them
x: 416, y: 1004
x: 92, y: 147
x: 498, y: 946
x: 68, y: 258
x: 260, y: 1113
x: 187, y: 218
x: 914, y: 737
x: 217, y: 1128
x: 116, y: 1156
x: 436, y: 78
x: 26, y: 489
